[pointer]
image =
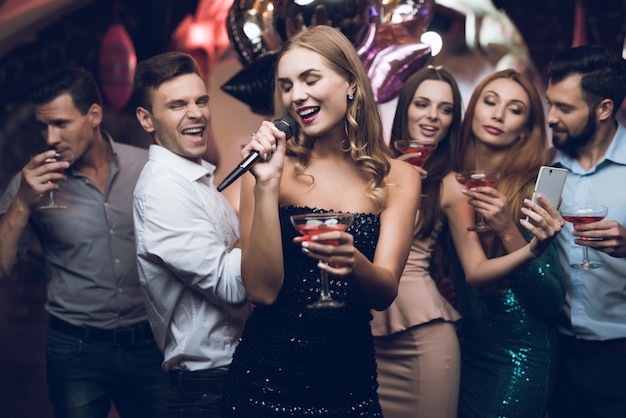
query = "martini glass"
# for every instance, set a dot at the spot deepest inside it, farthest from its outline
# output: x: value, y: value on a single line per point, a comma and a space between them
x: 478, y: 178
x: 584, y: 214
x: 52, y: 204
x: 310, y: 224
x: 419, y: 150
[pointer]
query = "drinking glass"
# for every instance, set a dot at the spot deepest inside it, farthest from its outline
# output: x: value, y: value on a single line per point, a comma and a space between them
x: 421, y: 150
x: 52, y: 204
x: 584, y: 214
x: 477, y: 178
x: 310, y: 224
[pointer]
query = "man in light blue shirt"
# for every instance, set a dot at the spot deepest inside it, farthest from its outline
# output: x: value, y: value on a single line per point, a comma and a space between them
x: 187, y: 238
x: 586, y: 88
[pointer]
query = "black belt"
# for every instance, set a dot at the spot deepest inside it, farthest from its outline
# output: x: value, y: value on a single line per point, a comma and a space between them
x: 577, y: 345
x: 134, y: 334
x: 212, y: 380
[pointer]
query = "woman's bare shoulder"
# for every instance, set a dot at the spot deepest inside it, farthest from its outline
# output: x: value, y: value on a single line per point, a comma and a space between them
x: 402, y: 172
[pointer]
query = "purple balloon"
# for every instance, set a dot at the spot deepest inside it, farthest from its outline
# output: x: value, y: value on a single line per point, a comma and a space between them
x: 392, y: 49
x: 386, y: 35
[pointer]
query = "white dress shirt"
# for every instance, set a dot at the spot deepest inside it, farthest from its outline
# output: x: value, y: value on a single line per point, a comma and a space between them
x: 189, y: 268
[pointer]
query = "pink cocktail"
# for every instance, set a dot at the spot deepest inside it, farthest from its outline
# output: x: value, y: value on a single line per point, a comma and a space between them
x: 478, y: 178
x: 584, y: 214
x: 310, y: 224
x: 419, y: 150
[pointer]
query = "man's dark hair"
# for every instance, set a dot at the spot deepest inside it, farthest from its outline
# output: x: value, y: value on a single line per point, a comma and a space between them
x: 154, y: 71
x: 75, y: 81
x: 603, y: 73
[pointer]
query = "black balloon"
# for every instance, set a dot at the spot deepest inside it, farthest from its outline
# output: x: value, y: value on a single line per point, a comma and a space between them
x: 253, y: 85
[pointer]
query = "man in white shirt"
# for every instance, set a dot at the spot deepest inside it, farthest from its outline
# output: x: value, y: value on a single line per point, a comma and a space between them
x: 187, y: 238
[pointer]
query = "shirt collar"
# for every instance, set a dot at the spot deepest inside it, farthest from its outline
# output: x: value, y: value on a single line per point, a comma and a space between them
x: 114, y: 160
x: 181, y: 165
x: 616, y: 153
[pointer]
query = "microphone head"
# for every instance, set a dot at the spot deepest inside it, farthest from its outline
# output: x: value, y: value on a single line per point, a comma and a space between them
x: 287, y: 125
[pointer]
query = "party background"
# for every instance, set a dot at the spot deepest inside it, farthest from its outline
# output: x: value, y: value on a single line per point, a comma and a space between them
x: 235, y: 43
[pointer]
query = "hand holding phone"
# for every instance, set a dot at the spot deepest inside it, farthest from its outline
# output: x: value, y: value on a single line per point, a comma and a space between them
x: 550, y: 183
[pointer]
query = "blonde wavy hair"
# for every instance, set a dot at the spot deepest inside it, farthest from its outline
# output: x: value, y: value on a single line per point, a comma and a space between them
x: 364, y: 140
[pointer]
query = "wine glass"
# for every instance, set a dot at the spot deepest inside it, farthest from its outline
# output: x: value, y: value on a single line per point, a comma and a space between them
x: 477, y: 178
x: 420, y: 150
x: 310, y: 224
x: 584, y: 214
x: 52, y: 204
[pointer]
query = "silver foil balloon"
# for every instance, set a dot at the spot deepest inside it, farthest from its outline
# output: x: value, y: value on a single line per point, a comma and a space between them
x: 386, y: 34
x: 251, y: 28
x: 351, y: 17
x: 256, y: 27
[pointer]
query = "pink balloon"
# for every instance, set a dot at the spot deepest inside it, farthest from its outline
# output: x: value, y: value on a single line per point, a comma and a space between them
x: 392, y: 49
x: 117, y: 61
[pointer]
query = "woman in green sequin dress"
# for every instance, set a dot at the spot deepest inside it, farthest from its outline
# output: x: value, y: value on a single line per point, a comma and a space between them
x: 507, y: 334
x: 295, y: 361
x: 417, y: 350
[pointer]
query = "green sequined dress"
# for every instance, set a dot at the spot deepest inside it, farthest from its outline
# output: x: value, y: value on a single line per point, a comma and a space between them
x: 509, y: 342
x: 298, y: 362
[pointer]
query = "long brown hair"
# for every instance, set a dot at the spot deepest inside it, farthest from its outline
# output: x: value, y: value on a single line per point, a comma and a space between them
x: 440, y: 162
x: 363, y: 126
x: 523, y: 159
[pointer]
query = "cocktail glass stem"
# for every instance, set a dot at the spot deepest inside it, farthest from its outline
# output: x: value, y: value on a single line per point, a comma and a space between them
x: 325, y: 300
x: 52, y: 204
x: 480, y: 226
x: 325, y: 291
x: 585, y: 263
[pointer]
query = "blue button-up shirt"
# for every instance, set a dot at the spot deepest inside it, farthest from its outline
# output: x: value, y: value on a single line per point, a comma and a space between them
x: 595, y: 307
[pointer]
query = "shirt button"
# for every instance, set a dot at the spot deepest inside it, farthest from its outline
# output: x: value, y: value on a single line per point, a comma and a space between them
x: 117, y: 261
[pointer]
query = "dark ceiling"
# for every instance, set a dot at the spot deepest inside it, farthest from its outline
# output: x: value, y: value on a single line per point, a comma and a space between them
x: 546, y: 25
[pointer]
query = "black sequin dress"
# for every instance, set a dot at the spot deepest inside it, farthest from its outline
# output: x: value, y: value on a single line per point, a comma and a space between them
x: 508, y: 342
x: 293, y: 361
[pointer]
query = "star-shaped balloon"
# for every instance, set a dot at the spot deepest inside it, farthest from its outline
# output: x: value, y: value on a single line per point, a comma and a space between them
x: 392, y: 49
x: 386, y: 34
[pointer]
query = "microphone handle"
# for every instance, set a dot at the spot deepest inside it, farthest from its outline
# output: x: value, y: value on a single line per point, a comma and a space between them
x: 243, y: 166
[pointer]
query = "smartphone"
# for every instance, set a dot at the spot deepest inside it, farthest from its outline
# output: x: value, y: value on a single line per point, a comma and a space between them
x: 550, y: 183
